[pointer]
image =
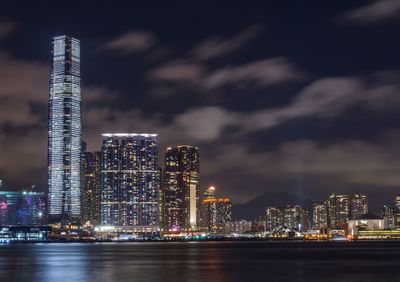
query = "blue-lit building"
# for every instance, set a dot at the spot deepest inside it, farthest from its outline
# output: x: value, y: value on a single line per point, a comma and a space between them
x: 22, y: 208
x: 130, y: 181
x: 64, y: 133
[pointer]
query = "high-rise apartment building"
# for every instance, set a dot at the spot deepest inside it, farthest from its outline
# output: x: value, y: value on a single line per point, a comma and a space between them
x: 343, y: 207
x: 320, y: 215
x: 215, y: 212
x: 64, y: 133
x: 91, y: 188
x: 397, y: 203
x: 338, y: 210
x: 273, y: 218
x: 181, y: 187
x: 130, y: 180
x: 358, y: 206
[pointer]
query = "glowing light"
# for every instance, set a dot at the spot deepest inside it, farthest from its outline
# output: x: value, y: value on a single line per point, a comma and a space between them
x: 3, y: 206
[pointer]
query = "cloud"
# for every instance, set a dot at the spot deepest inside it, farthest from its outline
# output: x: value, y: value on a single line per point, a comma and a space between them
x: 325, y: 97
x: 25, y: 83
x: 22, y: 83
x: 377, y: 11
x: 217, y: 46
x: 258, y: 73
x: 131, y: 42
x: 179, y: 71
x: 24, y: 96
x: 306, y: 166
x: 262, y: 73
x: 6, y: 27
x: 328, y: 97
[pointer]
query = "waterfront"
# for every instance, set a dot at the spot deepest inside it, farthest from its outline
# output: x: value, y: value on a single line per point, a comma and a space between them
x: 201, y: 261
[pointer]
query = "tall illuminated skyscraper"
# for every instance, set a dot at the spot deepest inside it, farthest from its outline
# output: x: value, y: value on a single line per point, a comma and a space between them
x: 64, y: 133
x: 130, y: 181
x: 181, y: 187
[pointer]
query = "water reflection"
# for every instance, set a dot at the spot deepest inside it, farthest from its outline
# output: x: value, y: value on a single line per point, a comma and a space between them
x: 212, y: 261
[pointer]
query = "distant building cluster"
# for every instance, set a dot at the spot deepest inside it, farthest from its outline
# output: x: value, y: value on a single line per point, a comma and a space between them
x: 338, y: 209
x: 333, y: 213
x: 290, y: 216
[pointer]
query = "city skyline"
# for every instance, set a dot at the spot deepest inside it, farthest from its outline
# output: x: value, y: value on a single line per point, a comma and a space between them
x: 227, y: 140
x: 273, y: 105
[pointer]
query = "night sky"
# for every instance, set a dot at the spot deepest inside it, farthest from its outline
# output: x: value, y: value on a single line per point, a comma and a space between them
x: 294, y: 96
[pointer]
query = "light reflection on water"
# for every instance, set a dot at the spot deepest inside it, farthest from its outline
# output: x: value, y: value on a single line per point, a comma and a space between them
x: 200, y: 261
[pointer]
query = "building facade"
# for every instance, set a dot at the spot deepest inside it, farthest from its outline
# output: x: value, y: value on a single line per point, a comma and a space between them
x: 273, y: 218
x: 387, y: 214
x: 181, y: 187
x: 22, y: 208
x: 289, y: 216
x: 320, y: 215
x: 91, y: 188
x: 342, y: 207
x: 215, y: 212
x: 397, y: 203
x: 366, y: 222
x: 130, y: 180
x: 358, y: 206
x: 339, y: 211
x: 238, y: 227
x: 64, y: 133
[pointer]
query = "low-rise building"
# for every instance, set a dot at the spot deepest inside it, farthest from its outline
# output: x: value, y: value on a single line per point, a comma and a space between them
x: 367, y: 222
x: 22, y: 208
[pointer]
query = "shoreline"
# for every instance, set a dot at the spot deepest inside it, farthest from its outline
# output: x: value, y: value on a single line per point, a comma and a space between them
x: 267, y: 240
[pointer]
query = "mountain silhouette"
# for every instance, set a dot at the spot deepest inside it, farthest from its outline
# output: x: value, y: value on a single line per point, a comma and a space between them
x: 256, y: 207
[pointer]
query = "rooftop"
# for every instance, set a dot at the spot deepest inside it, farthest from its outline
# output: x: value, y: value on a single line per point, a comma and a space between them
x: 129, y: 135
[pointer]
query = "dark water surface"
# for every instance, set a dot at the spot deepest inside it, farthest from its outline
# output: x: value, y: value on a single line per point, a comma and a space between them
x: 201, y: 261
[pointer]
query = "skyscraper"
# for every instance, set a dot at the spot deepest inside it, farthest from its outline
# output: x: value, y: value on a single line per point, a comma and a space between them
x: 215, y: 212
x: 320, y: 215
x: 358, y: 206
x: 343, y: 207
x: 181, y: 187
x: 64, y: 133
x: 130, y: 180
x: 338, y: 211
x: 91, y: 188
x: 273, y: 218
